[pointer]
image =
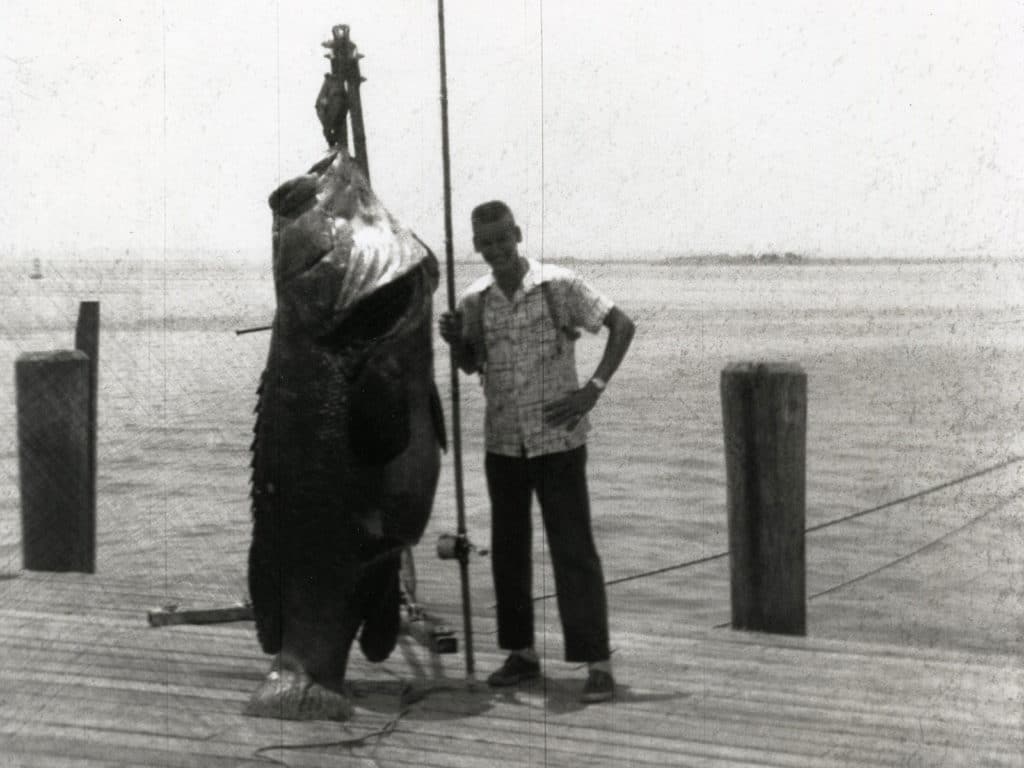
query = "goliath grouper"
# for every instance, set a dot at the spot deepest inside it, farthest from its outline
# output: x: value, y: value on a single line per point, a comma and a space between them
x: 347, y: 438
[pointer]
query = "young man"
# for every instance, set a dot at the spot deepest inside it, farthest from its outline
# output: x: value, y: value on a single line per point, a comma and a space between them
x: 517, y: 327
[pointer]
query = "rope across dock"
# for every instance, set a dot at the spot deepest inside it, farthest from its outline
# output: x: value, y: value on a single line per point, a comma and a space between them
x: 847, y: 518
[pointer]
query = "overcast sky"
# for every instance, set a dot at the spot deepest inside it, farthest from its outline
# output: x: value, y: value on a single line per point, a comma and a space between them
x: 614, y: 129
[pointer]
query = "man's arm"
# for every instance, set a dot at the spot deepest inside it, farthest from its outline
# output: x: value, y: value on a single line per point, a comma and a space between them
x: 620, y: 335
x: 568, y: 411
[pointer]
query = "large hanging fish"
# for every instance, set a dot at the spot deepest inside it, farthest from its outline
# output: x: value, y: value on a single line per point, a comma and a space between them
x: 347, y: 438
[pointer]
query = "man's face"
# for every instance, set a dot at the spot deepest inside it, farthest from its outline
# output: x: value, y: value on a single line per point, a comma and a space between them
x: 498, y: 243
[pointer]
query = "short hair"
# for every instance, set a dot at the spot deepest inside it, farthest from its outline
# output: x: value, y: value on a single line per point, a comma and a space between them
x: 491, y: 212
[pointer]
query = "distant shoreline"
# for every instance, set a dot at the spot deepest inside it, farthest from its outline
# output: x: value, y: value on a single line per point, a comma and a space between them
x: 794, y: 260
x: 797, y: 260
x: 204, y: 261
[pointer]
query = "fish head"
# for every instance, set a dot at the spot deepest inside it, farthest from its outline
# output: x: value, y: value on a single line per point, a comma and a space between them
x: 335, y: 245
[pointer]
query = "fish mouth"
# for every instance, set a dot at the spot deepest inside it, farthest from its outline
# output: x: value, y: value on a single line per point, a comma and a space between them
x: 376, y: 257
x: 353, y: 293
x: 387, y: 310
x: 336, y: 248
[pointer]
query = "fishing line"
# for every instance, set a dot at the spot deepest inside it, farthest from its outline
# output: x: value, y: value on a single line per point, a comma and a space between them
x: 357, y: 741
x: 406, y: 699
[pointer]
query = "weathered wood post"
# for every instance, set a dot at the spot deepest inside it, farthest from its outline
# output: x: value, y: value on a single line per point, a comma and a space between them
x: 87, y: 340
x: 58, y: 531
x: 764, y: 415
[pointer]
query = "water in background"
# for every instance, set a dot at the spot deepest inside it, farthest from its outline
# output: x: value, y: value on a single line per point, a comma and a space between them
x: 914, y: 377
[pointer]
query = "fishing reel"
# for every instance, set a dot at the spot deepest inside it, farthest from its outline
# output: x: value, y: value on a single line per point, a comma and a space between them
x: 451, y: 546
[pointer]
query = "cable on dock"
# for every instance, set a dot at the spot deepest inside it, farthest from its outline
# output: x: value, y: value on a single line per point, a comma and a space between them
x: 924, y: 547
x: 934, y: 542
x: 942, y: 486
x: 846, y: 518
x: 406, y: 699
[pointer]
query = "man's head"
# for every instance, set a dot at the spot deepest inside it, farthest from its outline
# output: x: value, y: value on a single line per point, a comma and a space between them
x: 496, y: 236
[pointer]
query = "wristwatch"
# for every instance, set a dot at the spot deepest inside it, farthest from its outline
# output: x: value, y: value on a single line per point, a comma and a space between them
x: 599, y: 383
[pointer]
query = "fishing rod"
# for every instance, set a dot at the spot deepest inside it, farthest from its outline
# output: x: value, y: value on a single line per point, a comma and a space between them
x: 461, y: 545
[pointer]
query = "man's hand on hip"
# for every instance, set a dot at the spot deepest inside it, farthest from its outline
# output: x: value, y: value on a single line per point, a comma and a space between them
x: 567, y: 411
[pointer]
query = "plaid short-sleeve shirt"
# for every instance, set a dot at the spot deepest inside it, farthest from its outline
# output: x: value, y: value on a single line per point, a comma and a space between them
x: 530, y: 362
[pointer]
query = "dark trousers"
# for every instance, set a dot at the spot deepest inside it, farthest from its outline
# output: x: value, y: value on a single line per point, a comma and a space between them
x: 560, y: 482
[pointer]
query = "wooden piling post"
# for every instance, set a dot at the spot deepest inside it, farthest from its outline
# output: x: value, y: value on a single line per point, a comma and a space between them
x: 58, y: 529
x: 87, y: 340
x: 764, y: 415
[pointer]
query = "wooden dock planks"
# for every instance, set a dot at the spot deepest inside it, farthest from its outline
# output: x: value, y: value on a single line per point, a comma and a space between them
x: 86, y: 682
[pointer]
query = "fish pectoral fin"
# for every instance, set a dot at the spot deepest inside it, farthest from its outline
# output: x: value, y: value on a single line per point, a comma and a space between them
x: 381, y: 592
x: 379, y: 417
x: 437, y: 416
